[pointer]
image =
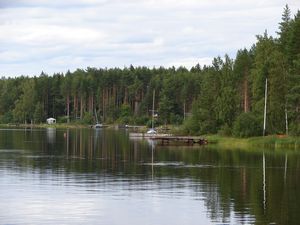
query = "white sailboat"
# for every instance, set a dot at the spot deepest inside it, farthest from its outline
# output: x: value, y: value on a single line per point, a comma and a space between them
x: 97, y: 125
x: 152, y: 131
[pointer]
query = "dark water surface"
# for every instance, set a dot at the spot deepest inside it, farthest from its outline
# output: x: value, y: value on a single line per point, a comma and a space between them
x: 50, y: 176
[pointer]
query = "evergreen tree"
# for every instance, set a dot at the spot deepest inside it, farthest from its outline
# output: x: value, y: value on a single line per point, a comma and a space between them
x: 241, y: 70
x: 284, y: 30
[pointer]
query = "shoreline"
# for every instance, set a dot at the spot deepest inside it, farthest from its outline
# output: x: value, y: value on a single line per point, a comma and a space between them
x: 269, y: 142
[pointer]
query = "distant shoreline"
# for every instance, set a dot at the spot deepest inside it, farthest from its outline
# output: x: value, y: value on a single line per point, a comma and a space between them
x: 269, y: 142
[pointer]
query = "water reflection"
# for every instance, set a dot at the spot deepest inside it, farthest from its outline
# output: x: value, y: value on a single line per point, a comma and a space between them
x: 51, y: 135
x: 264, y: 181
x: 94, y: 175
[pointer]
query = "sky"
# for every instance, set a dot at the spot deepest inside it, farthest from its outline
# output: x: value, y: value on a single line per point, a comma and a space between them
x: 60, y: 35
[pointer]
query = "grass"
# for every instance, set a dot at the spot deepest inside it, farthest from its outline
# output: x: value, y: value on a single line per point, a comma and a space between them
x: 272, y: 141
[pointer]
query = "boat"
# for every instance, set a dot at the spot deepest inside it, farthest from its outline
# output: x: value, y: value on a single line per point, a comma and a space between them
x: 98, y: 125
x: 152, y: 131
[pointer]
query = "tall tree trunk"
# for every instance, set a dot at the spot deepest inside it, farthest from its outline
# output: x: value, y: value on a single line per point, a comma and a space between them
x: 75, y: 106
x: 246, y: 94
x: 114, y: 93
x: 103, y: 103
x: 125, y: 101
x: 137, y: 99
x: 92, y: 103
x: 81, y: 106
x: 68, y: 107
x: 136, y: 107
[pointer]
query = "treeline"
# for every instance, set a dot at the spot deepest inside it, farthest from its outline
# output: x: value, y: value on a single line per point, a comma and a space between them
x: 226, y: 97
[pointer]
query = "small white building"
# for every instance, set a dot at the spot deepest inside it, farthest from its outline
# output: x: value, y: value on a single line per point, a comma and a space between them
x: 51, y: 120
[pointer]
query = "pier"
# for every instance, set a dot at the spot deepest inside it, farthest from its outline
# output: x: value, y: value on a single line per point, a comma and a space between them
x: 187, y: 140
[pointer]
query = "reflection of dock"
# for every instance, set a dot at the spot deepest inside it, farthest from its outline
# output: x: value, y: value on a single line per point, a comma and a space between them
x: 187, y: 140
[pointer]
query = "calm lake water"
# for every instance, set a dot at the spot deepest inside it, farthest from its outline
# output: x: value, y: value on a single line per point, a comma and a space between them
x: 51, y: 176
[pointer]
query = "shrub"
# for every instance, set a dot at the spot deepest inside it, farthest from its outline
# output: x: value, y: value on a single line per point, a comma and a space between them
x: 295, y: 129
x: 6, y: 118
x: 156, y: 123
x: 225, y: 130
x: 175, y: 119
x: 62, y: 119
x: 247, y: 125
x: 191, y: 126
x: 140, y: 120
x: 87, y: 118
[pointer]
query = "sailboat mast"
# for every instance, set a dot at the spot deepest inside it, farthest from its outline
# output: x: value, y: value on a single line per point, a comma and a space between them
x: 265, y: 111
x: 96, y: 117
x: 153, y: 108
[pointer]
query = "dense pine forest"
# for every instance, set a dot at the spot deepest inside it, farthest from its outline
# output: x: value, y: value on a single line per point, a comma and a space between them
x: 226, y: 97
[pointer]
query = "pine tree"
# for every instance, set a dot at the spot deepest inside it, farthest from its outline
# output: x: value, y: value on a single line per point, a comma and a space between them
x: 284, y: 29
x: 241, y: 70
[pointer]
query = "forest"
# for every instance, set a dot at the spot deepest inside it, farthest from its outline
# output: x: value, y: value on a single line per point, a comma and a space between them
x: 226, y: 97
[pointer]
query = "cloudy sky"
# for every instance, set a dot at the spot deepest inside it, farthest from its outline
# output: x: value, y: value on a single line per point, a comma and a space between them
x: 57, y: 35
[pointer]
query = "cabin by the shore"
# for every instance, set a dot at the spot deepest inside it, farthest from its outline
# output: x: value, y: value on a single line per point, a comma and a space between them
x: 51, y: 121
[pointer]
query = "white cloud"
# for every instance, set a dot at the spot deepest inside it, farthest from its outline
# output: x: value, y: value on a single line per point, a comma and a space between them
x: 190, y: 62
x: 59, y: 35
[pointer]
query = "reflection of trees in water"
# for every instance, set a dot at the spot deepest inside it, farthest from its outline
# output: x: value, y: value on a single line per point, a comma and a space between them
x: 226, y: 180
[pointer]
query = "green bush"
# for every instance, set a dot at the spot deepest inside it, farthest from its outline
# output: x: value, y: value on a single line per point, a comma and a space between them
x: 175, y: 119
x: 125, y: 111
x: 191, y: 126
x: 140, y: 120
x: 295, y: 129
x: 87, y: 118
x: 6, y: 118
x: 156, y: 123
x: 247, y: 125
x: 62, y: 119
x: 225, y: 130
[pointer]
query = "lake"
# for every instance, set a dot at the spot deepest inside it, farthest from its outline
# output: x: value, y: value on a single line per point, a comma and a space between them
x: 85, y: 176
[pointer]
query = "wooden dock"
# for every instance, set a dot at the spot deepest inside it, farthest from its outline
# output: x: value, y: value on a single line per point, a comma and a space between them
x: 187, y: 140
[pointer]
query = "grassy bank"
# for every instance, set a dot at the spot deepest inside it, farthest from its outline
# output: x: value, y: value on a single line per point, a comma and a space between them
x: 272, y: 142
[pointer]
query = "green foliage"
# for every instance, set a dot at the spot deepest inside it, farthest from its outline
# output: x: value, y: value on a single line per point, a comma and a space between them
x: 204, y: 110
x: 247, y: 125
x: 125, y: 111
x: 140, y: 120
x: 38, y: 115
x: 88, y: 118
x: 62, y: 119
x: 285, y: 30
x: 165, y: 109
x: 175, y: 119
x: 295, y: 129
x: 24, y: 107
x: 6, y: 118
x: 191, y: 126
x: 225, y: 130
x: 156, y: 123
x: 293, y: 43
